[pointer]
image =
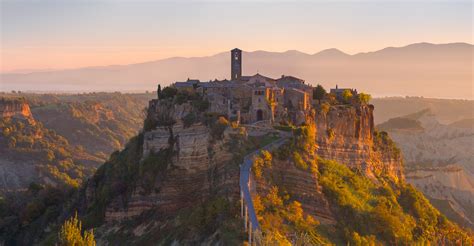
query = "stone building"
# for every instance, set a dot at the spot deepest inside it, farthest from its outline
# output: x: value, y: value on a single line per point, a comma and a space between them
x: 255, y: 98
x: 338, y: 92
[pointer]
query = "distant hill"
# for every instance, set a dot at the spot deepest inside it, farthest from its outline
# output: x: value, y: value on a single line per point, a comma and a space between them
x: 447, y: 111
x: 465, y: 123
x: 400, y: 123
x: 421, y: 69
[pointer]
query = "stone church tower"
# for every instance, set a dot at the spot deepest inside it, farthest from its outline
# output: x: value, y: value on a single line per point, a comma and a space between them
x: 236, y: 64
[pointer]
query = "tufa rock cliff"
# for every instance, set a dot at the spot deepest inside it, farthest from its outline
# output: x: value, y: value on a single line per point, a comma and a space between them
x: 347, y: 135
x: 17, y: 108
x: 180, y: 162
x: 195, y: 164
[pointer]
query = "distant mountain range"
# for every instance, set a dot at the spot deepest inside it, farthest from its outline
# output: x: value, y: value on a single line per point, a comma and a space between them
x: 422, y: 69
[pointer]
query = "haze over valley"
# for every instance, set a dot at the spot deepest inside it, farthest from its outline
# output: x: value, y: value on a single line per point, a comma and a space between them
x: 422, y: 69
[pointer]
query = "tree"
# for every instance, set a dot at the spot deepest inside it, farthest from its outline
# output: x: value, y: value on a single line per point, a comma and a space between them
x: 159, y: 91
x: 364, y: 98
x: 71, y: 234
x: 347, y: 95
x: 318, y: 93
x: 168, y: 92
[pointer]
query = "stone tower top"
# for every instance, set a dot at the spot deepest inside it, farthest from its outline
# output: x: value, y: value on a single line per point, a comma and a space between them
x: 236, y: 64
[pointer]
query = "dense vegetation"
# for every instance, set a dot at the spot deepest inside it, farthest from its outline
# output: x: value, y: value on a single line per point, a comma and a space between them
x: 100, y: 123
x: 53, y: 152
x: 371, y: 213
x: 25, y: 215
x: 48, y: 154
x: 368, y: 211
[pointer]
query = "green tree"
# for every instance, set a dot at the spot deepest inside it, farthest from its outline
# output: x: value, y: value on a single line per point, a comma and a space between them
x: 364, y: 98
x: 168, y: 92
x: 318, y: 93
x: 71, y: 234
x: 347, y: 95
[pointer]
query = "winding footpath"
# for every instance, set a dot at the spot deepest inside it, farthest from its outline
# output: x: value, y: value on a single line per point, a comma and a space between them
x: 247, y: 209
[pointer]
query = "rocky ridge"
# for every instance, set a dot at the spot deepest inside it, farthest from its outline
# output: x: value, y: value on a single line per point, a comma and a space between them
x: 439, y: 161
x: 17, y: 108
x: 347, y: 134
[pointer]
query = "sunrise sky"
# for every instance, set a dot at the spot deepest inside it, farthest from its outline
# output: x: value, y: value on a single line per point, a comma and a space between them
x: 69, y: 34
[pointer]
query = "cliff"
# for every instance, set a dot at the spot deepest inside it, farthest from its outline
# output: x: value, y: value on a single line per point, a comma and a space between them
x: 438, y: 161
x: 347, y: 135
x: 195, y: 165
x: 17, y: 108
x: 182, y: 163
x: 177, y: 182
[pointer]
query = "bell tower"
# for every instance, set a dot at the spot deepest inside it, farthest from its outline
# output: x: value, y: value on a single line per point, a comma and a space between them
x: 235, y: 64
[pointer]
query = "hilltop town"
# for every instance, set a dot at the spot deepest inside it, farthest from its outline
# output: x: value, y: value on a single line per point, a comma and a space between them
x: 258, y: 98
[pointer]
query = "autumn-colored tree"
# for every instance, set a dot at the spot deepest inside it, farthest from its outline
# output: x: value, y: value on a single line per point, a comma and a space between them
x: 347, y: 95
x: 71, y: 234
x: 364, y: 98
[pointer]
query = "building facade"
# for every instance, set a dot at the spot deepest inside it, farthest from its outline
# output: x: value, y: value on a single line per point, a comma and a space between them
x: 250, y: 99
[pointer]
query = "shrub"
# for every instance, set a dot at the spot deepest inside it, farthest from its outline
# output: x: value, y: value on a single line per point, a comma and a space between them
x: 218, y: 128
x: 347, y: 96
x: 189, y: 119
x: 153, y: 165
x: 168, y: 92
x: 264, y: 160
x: 149, y: 124
x: 330, y: 133
x: 182, y: 97
x: 71, y: 234
x: 325, y: 107
x: 299, y: 162
x: 363, y: 98
x: 201, y: 104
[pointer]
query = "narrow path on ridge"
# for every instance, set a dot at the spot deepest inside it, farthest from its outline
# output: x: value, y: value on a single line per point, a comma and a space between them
x: 245, y: 177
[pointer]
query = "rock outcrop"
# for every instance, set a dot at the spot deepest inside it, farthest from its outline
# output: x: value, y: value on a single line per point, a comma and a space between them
x: 303, y: 186
x: 17, y: 108
x: 201, y: 166
x: 438, y: 161
x: 346, y: 134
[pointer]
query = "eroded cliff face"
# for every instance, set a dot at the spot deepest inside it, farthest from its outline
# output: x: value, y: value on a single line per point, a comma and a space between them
x: 15, y: 108
x: 302, y: 186
x: 346, y: 134
x: 201, y: 166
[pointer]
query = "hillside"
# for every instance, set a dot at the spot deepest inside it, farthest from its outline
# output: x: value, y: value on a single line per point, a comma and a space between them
x: 57, y: 139
x: 447, y: 111
x: 31, y: 153
x: 420, y: 69
x: 178, y: 183
x: 438, y: 161
x: 98, y: 123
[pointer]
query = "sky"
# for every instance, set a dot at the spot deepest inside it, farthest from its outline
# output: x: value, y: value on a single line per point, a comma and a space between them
x: 46, y: 34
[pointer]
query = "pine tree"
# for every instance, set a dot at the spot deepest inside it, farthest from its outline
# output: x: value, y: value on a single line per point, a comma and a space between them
x: 70, y: 234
